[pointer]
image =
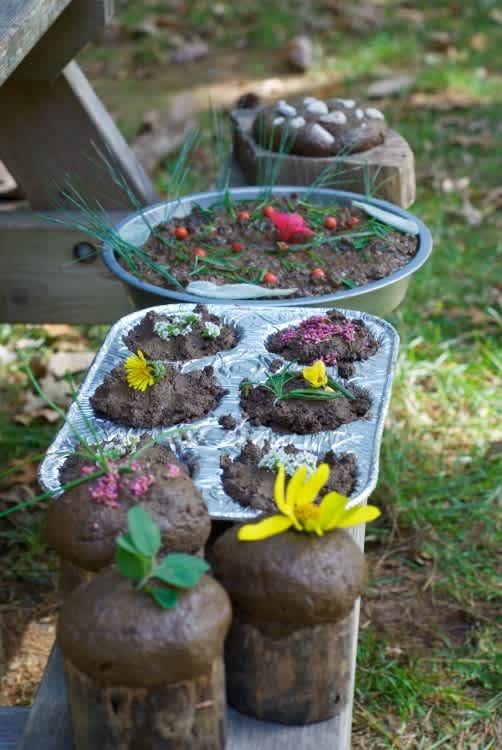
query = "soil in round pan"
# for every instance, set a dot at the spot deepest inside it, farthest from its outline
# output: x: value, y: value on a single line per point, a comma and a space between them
x: 335, y: 339
x: 194, y: 342
x: 302, y: 416
x: 251, y: 485
x: 177, y: 397
x: 237, y: 243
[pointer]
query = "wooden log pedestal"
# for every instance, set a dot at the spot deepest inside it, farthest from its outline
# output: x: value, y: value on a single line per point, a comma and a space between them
x: 187, y: 715
x: 288, y: 654
x: 142, y: 677
x: 309, y: 666
x: 389, y: 167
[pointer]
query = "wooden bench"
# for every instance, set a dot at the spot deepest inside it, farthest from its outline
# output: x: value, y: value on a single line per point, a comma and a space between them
x: 50, y: 123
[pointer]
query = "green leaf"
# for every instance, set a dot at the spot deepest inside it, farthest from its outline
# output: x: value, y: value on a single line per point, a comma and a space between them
x: 130, y: 565
x: 125, y: 542
x: 143, y: 531
x: 167, y: 598
x: 181, y: 570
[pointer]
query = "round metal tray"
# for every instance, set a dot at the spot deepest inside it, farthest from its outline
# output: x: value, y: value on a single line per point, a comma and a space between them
x: 378, y: 297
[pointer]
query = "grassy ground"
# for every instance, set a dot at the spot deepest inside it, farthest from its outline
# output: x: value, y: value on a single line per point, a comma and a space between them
x: 428, y: 667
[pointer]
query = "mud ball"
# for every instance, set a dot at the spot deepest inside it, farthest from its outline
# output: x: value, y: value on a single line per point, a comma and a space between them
x: 317, y: 127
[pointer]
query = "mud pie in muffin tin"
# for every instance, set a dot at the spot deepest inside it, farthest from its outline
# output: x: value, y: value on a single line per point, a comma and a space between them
x: 333, y: 338
x: 250, y: 477
x: 183, y: 337
x: 318, y: 127
x: 215, y: 432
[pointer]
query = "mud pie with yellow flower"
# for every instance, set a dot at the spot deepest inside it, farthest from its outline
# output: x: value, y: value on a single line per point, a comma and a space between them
x: 150, y: 393
x: 303, y: 401
x: 288, y: 653
x: 333, y: 338
x: 182, y: 336
x: 249, y: 477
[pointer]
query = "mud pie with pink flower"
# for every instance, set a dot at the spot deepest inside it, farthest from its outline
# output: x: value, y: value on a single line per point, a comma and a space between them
x: 142, y: 392
x: 83, y: 523
x: 182, y: 336
x: 332, y: 338
x: 282, y: 245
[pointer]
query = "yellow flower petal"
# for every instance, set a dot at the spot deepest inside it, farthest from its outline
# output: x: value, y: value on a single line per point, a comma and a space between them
x: 139, y: 374
x: 332, y: 508
x: 356, y: 516
x: 280, y: 500
x: 294, y: 485
x: 270, y: 526
x: 310, y: 489
x: 316, y: 375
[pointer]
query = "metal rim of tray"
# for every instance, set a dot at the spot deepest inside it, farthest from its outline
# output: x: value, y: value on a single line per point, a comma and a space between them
x: 423, y: 252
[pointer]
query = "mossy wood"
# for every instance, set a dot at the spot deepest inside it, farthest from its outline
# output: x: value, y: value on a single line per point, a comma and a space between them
x: 389, y: 168
x: 183, y: 716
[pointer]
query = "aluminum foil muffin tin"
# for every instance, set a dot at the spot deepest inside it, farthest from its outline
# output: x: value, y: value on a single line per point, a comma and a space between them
x: 206, y: 441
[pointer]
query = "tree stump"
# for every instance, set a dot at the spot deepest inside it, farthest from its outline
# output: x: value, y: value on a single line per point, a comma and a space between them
x: 310, y: 664
x: 388, y: 169
x: 186, y: 715
x: 288, y: 654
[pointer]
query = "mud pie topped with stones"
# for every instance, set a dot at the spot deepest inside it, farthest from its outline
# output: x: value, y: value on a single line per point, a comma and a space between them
x: 318, y: 127
x: 181, y: 337
x: 250, y: 477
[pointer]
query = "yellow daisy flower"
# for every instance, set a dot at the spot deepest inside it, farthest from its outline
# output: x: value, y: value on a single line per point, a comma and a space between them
x: 139, y: 373
x: 316, y: 375
x: 298, y: 509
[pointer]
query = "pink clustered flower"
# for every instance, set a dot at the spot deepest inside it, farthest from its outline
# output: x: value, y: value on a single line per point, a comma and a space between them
x: 140, y: 485
x: 317, y: 329
x: 173, y: 471
x: 106, y: 488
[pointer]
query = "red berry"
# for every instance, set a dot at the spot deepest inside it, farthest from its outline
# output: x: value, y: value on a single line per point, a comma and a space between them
x: 270, y: 278
x: 318, y: 273
x: 352, y: 221
x: 243, y: 216
x: 237, y: 247
x: 199, y: 252
x: 181, y: 233
x: 268, y: 211
x: 330, y: 222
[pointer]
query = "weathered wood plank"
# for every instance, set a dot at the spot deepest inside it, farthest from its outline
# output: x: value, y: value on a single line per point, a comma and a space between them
x: 77, y: 25
x: 12, y: 723
x: 50, y: 131
x: 22, y: 24
x: 41, y: 281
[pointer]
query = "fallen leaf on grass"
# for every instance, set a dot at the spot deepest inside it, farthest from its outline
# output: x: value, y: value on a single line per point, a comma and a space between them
x: 25, y: 473
x: 443, y: 100
x: 392, y: 86
x: 483, y: 140
x: 58, y: 330
x: 62, y: 362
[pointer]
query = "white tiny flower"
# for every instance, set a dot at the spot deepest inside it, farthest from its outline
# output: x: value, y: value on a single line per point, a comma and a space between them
x: 211, y: 330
